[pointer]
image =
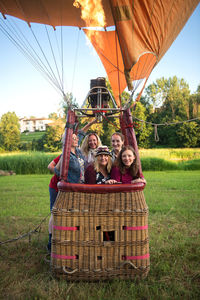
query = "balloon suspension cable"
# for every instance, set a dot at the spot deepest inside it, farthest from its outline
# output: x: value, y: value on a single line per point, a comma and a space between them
x: 67, y: 100
x: 75, y: 59
x: 128, y: 104
x: 60, y: 77
x: 142, y: 72
x: 38, y: 59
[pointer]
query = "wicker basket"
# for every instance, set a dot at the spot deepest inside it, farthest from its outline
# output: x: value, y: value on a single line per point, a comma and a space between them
x: 100, y: 235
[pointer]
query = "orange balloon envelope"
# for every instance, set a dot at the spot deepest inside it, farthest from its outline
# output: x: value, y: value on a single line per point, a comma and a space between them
x: 141, y: 30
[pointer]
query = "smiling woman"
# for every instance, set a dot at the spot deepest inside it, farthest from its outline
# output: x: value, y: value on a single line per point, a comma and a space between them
x: 89, y: 145
x: 126, y: 169
x: 99, y: 171
x: 117, y: 141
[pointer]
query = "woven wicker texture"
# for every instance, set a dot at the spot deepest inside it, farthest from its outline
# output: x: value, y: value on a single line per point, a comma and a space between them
x: 100, y: 236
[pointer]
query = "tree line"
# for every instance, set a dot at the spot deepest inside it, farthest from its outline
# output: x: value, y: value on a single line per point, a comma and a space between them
x: 167, y: 115
x: 171, y: 115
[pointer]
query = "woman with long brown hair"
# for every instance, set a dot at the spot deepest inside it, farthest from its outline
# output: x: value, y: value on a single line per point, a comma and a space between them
x: 117, y: 142
x: 126, y: 167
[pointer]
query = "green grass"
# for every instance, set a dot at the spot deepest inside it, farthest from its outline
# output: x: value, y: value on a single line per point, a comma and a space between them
x: 36, y: 162
x: 29, y: 136
x: 27, y: 163
x: 171, y: 154
x: 174, y: 229
x: 19, y: 194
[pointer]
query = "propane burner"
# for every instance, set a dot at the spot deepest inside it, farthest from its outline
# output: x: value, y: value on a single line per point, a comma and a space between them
x: 98, y: 96
x: 99, y: 100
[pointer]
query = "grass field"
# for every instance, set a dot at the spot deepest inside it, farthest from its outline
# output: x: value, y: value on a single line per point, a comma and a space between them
x: 174, y: 229
x: 29, y: 136
x: 171, y: 154
x: 152, y: 160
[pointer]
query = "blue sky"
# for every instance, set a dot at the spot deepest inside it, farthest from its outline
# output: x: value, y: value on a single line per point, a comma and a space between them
x: 25, y: 91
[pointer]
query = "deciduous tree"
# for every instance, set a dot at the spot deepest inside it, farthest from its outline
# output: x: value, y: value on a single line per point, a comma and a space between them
x: 9, y: 131
x: 188, y: 135
x: 171, y: 96
x: 52, y: 138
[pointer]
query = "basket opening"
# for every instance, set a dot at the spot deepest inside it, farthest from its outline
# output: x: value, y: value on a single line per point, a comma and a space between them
x: 108, y: 236
x: 98, y: 227
x: 99, y: 257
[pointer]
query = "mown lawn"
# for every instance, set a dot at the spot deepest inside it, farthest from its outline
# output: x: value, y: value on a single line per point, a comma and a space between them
x: 174, y: 229
x: 29, y: 136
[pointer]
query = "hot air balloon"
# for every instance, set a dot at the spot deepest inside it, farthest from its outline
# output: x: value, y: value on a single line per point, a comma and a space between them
x: 130, y: 38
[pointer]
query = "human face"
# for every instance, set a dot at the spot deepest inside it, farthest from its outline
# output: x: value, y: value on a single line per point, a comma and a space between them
x: 117, y: 143
x: 128, y: 158
x: 102, y: 160
x: 92, y: 141
x: 74, y: 141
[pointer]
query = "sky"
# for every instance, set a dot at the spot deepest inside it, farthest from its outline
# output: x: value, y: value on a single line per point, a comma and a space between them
x: 26, y: 92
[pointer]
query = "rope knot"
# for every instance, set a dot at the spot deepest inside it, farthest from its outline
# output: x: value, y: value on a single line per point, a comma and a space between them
x: 131, y: 125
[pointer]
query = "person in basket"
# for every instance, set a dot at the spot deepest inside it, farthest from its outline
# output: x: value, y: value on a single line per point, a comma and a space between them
x: 126, y: 167
x: 99, y: 171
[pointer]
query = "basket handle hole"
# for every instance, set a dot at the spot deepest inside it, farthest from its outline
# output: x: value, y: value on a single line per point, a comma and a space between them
x: 109, y: 236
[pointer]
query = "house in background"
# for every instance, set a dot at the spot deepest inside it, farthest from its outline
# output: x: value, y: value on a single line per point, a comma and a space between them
x: 34, y: 124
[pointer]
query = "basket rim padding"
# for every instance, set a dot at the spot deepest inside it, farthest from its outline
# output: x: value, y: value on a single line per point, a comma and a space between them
x: 100, y: 188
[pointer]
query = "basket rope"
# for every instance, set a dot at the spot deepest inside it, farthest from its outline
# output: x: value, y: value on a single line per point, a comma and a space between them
x: 69, y: 272
x: 35, y: 230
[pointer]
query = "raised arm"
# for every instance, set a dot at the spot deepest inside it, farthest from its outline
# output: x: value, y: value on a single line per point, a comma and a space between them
x: 88, y: 125
x: 82, y: 132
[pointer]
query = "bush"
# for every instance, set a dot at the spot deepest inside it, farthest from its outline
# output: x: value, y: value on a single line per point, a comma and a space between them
x: 37, y: 162
x: 157, y: 164
x: 27, y: 163
x: 190, y: 165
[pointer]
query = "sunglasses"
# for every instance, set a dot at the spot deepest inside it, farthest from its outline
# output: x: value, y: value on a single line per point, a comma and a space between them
x: 75, y: 138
